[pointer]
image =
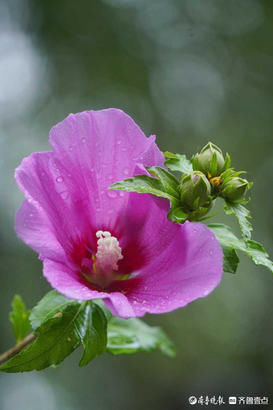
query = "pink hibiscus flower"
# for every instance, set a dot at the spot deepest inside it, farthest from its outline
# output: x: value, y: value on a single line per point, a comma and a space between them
x: 98, y: 243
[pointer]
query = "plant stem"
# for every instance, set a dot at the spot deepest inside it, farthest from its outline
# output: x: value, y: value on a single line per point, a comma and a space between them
x: 17, y: 348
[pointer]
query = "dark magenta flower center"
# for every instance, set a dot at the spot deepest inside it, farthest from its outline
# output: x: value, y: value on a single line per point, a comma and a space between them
x: 101, y: 269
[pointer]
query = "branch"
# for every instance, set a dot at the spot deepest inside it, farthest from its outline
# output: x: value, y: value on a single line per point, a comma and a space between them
x: 17, y: 348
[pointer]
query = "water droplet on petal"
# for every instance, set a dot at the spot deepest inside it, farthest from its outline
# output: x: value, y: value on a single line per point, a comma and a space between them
x: 118, y: 142
x: 121, y: 193
x: 83, y: 140
x: 126, y: 171
x: 112, y: 194
x: 124, y: 149
x: 59, y: 179
x: 70, y: 148
x: 64, y: 194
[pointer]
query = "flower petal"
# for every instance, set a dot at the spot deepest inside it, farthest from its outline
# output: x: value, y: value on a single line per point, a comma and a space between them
x: 38, y: 178
x: 92, y: 150
x: 144, y: 231
x: 67, y: 282
x: 99, y: 148
x: 34, y: 228
x: 189, y: 268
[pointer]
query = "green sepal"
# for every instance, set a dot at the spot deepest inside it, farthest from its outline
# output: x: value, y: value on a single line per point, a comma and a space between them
x: 19, y: 318
x: 214, y: 164
x: 128, y: 336
x: 229, y: 174
x: 227, y: 162
x: 176, y: 214
x: 199, y: 214
x: 230, y: 244
x: 196, y: 203
x: 178, y: 162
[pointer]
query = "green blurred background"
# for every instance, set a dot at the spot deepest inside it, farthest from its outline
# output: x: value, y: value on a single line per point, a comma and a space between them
x: 189, y: 71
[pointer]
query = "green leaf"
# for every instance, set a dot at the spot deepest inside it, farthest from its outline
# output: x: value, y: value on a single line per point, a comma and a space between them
x: 52, y: 304
x: 167, y: 179
x: 56, y: 339
x: 133, y: 335
x: 178, y: 162
x: 258, y: 254
x: 19, y: 318
x: 60, y: 335
x: 231, y: 259
x: 144, y: 184
x: 230, y: 243
x: 242, y: 214
x: 94, y: 336
x: 106, y: 311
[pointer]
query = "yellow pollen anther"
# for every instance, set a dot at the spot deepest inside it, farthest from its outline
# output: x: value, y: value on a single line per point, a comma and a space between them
x: 216, y: 181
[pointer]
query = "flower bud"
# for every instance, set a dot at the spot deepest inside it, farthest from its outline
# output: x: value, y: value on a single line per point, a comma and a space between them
x: 210, y: 161
x: 234, y: 189
x: 195, y: 191
x: 201, y: 212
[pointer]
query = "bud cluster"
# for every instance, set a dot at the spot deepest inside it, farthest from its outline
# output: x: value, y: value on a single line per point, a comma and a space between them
x: 224, y: 180
x: 212, y: 177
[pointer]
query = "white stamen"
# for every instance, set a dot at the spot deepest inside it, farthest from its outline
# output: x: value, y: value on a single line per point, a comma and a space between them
x: 108, y: 252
